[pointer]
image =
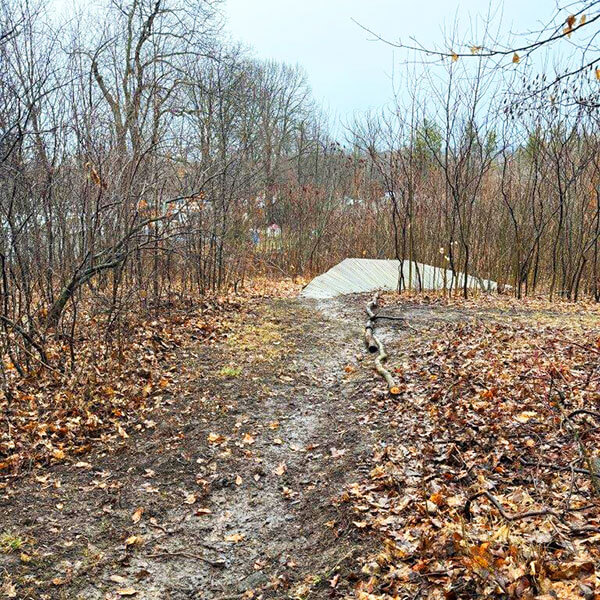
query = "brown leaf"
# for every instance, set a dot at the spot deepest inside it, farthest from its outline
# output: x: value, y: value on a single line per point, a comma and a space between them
x: 215, y: 438
x: 248, y: 439
x: 133, y: 540
x: 137, y: 515
x: 335, y: 453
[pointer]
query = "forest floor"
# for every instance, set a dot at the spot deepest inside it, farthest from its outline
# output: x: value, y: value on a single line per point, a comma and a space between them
x: 281, y: 468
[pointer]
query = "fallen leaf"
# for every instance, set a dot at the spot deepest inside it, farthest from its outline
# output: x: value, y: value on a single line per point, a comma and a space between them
x: 133, y: 540
x: 126, y: 592
x: 335, y: 453
x: 137, y: 515
x: 525, y: 416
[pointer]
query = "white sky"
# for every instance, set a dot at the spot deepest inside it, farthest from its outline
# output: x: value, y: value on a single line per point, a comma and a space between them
x: 349, y: 73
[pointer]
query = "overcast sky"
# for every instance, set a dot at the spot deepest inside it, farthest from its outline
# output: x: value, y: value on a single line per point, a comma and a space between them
x: 347, y: 71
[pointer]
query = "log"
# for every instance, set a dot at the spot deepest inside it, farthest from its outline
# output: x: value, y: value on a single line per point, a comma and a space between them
x: 370, y: 338
x: 370, y: 341
x: 374, y: 344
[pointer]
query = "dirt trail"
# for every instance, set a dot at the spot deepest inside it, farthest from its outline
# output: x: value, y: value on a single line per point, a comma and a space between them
x: 233, y: 492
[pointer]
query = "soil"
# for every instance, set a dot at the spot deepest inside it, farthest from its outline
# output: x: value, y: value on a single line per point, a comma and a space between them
x: 234, y: 493
x: 239, y: 490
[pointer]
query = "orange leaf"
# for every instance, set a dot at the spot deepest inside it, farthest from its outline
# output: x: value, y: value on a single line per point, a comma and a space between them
x: 215, y: 438
x: 137, y: 515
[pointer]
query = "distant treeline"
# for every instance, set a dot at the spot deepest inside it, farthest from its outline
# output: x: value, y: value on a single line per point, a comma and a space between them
x: 145, y: 160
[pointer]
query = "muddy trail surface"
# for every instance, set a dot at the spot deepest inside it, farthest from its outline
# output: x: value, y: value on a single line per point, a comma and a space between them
x: 234, y: 493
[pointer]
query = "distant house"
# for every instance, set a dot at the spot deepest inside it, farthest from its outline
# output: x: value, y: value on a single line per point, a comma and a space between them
x: 273, y: 231
x: 349, y: 201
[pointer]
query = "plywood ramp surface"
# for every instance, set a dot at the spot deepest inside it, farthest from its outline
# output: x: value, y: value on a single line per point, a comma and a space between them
x: 354, y: 275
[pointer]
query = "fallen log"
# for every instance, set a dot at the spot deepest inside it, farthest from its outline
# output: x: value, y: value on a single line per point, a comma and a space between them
x: 374, y: 345
x: 370, y: 341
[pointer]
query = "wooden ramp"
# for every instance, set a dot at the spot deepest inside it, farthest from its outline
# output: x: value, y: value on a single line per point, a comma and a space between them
x: 355, y: 275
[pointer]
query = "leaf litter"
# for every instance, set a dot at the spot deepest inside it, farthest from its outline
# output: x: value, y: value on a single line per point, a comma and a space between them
x: 490, y: 488
x: 480, y: 484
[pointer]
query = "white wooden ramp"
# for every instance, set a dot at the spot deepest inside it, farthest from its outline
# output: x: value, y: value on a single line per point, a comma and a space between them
x: 355, y: 275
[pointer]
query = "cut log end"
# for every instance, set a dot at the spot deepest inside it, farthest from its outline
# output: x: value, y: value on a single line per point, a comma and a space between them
x: 370, y: 341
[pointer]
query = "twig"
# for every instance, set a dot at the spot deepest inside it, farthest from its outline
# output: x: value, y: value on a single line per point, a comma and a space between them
x: 529, y: 463
x: 526, y: 515
x: 388, y: 318
x: 213, y: 563
x: 583, y: 411
x: 505, y: 515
